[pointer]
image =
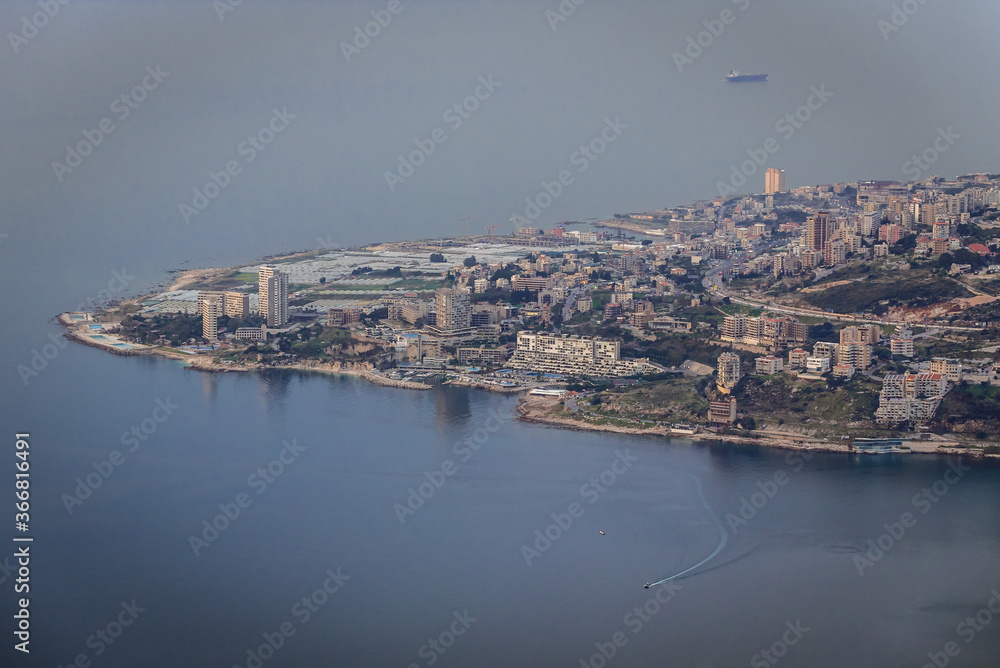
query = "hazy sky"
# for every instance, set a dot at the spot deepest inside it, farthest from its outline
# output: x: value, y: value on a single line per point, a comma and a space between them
x: 323, y: 176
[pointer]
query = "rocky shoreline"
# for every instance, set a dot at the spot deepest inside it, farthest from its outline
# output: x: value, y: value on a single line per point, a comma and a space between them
x: 533, y: 409
x: 540, y: 411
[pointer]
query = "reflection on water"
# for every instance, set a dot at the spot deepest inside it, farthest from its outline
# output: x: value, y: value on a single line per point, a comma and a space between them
x: 273, y: 388
x: 210, y: 387
x: 452, y: 404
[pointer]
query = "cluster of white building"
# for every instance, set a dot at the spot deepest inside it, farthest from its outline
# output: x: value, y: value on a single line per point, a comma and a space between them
x: 273, y: 306
x: 910, y: 397
x: 574, y: 355
x: 771, y: 333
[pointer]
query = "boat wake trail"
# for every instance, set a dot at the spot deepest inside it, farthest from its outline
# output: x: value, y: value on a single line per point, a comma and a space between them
x: 740, y: 557
x: 723, y: 539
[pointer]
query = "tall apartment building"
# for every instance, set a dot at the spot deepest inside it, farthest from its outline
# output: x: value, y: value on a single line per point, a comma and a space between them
x: 869, y: 223
x: 858, y: 355
x: 870, y: 334
x: 856, y: 345
x: 811, y: 259
x: 774, y: 181
x: 211, y: 309
x: 834, y: 252
x: 273, y: 291
x: 453, y: 312
x: 819, y: 230
x: 204, y: 296
x: 891, y: 234
x: 728, y: 372
x: 572, y: 355
x: 928, y: 213
x: 236, y: 304
x: 826, y: 349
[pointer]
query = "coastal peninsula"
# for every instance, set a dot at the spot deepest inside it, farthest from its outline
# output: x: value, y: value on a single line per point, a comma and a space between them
x: 853, y: 317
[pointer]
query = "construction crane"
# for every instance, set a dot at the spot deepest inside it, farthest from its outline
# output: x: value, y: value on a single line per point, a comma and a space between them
x: 463, y: 226
x: 489, y: 230
x: 517, y: 229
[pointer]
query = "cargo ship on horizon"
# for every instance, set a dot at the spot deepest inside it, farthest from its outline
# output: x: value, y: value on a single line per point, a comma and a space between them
x: 736, y: 77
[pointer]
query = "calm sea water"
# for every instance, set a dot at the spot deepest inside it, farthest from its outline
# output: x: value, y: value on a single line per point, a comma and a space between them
x: 665, y: 506
x: 115, y: 220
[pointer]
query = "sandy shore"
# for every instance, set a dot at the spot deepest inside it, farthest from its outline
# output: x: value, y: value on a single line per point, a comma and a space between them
x: 202, y: 363
x: 195, y: 276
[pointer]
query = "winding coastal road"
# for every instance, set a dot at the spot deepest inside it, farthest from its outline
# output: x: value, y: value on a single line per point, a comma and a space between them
x: 715, y: 279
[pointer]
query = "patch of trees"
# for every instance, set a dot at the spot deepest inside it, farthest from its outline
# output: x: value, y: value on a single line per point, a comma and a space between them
x: 507, y: 272
x: 523, y: 297
x: 395, y: 272
x: 376, y: 315
x: 965, y: 256
x: 906, y: 244
x: 176, y: 329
